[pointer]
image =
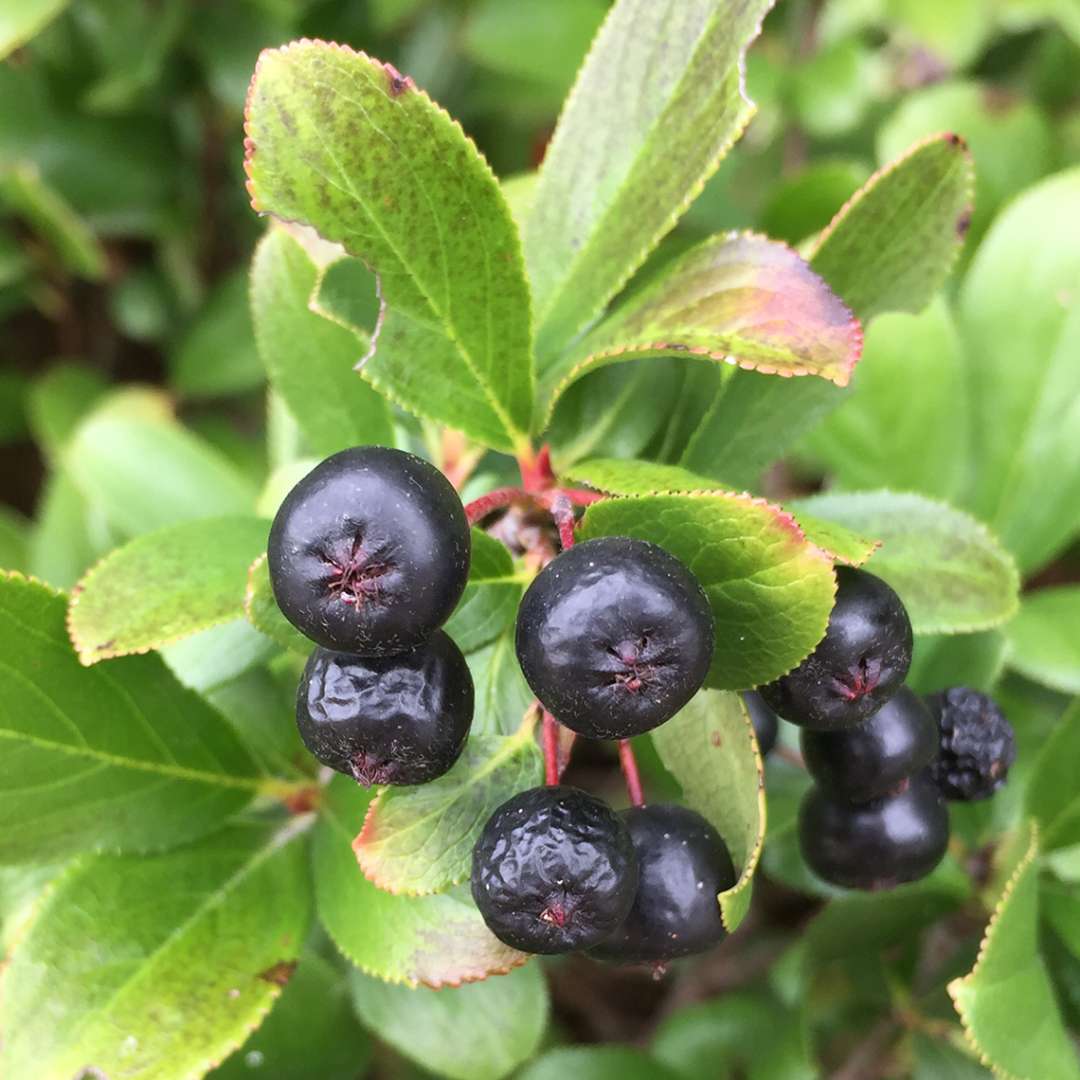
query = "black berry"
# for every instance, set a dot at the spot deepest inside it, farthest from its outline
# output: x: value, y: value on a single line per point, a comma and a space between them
x: 614, y: 637
x: 876, y: 757
x: 553, y: 871
x: 389, y: 719
x: 683, y: 864
x: 875, y: 845
x: 765, y: 721
x: 369, y: 553
x: 857, y: 666
x: 977, y: 744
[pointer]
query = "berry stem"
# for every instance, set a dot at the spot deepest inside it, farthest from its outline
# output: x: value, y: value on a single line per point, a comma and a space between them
x: 630, y: 771
x: 562, y: 513
x: 479, y: 509
x: 550, y: 735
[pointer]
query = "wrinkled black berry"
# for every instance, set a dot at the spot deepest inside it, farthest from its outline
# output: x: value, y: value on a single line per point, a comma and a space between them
x: 875, y: 845
x: 553, y: 871
x: 369, y: 553
x: 876, y: 757
x: 765, y: 721
x: 683, y: 864
x: 978, y: 745
x: 857, y: 666
x: 614, y: 637
x: 388, y: 719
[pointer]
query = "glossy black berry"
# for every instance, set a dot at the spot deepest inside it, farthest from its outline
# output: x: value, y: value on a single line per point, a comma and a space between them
x: 875, y: 845
x: 369, y: 553
x: 857, y: 666
x: 978, y: 745
x: 876, y: 757
x: 553, y: 871
x: 765, y: 721
x: 682, y: 865
x: 387, y: 719
x: 614, y: 637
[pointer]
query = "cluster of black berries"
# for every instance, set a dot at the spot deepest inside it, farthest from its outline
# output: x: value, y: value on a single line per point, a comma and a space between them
x: 882, y: 758
x: 368, y: 556
x: 614, y: 637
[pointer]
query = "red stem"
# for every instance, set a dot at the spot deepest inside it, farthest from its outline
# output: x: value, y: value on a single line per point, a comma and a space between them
x: 550, y: 735
x: 562, y: 512
x: 479, y: 509
x: 630, y: 771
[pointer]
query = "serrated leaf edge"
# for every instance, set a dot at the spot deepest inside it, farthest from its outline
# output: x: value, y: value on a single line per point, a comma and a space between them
x: 818, y: 242
x: 370, y: 870
x: 88, y: 656
x: 749, y: 111
x: 404, y: 980
x: 955, y: 985
x: 674, y: 350
x: 518, y: 438
x: 979, y: 527
x: 753, y: 858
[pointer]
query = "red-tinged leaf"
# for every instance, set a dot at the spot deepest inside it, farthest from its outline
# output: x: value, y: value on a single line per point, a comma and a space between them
x: 739, y: 299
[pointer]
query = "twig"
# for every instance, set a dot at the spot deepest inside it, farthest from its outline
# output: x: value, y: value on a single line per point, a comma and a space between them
x: 630, y: 771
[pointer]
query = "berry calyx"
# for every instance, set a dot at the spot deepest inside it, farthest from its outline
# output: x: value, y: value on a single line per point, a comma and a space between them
x: 682, y: 865
x: 369, y: 553
x: 874, y: 845
x: 387, y: 720
x: 614, y: 636
x: 878, y: 756
x: 766, y: 723
x: 553, y: 871
x: 857, y: 666
x: 978, y: 745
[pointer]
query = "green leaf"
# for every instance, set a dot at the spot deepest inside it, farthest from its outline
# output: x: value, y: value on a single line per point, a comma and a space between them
x: 502, y: 694
x: 143, y: 471
x: 437, y: 940
x: 604, y: 202
x: 21, y: 21
x: 1052, y: 798
x: 478, y: 1032
x: 951, y: 573
x: 808, y: 201
x: 419, y: 840
x: 891, y: 246
x: 59, y: 400
x: 709, y: 747
x: 833, y: 88
x: 647, y: 477
x: 489, y: 604
x: 904, y: 423
x: 1044, y: 638
x: 311, y: 1032
x: 738, y: 299
x: 262, y: 611
x: 597, y: 1063
x: 749, y: 1033
x: 154, y: 762
x: 308, y: 358
x: 1008, y: 990
x: 202, y: 935
x: 217, y: 655
x: 1011, y: 141
x: 345, y: 144
x: 942, y: 660
x: 1020, y: 315
x: 14, y: 540
x: 66, y: 538
x: 770, y: 589
x: 164, y: 586
x: 542, y: 44
x: 217, y: 353
x: 45, y: 210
